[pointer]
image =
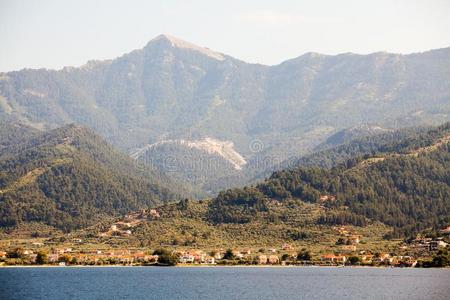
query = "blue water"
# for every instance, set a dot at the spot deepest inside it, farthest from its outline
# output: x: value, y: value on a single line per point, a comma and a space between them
x: 223, y: 283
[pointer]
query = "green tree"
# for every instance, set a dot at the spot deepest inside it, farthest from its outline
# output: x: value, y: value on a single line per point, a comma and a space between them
x: 340, y: 241
x: 441, y: 259
x: 16, y: 253
x: 353, y: 260
x: 228, y: 254
x: 166, y: 257
x: 41, y: 258
x: 285, y: 257
x: 304, y: 255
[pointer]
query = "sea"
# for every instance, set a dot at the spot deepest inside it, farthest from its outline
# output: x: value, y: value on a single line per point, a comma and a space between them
x: 223, y: 283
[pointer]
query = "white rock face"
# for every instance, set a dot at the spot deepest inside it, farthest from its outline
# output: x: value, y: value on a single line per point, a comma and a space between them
x: 186, y: 45
x: 224, y: 149
x: 34, y: 93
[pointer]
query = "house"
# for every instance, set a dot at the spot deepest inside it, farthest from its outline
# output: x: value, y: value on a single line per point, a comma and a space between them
x: 436, y: 244
x: 325, y: 198
x: 341, y: 259
x: 209, y: 260
x: 287, y: 247
x: 404, y: 261
x: 33, y: 257
x: 187, y: 259
x: 273, y: 259
x: 262, y: 259
x: 218, y: 254
x: 154, y: 213
x: 348, y: 248
x: 341, y: 230
x: 331, y: 258
x: 139, y: 255
x: 53, y: 257
x: 328, y: 258
x: 246, y: 252
x: 353, y: 239
x: 383, y: 258
x: 2, y: 254
x: 446, y: 230
x: 367, y: 258
x: 238, y: 254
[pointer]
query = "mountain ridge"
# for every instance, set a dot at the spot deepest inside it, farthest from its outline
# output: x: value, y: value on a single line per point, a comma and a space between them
x: 70, y: 178
x: 162, y: 92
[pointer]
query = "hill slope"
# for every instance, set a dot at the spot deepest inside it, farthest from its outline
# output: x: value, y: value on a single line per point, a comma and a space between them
x: 406, y: 185
x: 70, y: 178
x: 172, y: 90
x: 398, y: 192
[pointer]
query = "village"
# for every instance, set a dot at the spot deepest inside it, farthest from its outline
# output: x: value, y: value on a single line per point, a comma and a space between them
x: 420, y: 252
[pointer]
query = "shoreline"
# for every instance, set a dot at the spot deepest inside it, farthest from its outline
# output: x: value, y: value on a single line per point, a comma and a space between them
x: 215, y: 266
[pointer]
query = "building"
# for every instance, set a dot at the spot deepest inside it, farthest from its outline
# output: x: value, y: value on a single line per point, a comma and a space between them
x: 348, y: 248
x: 354, y: 239
x: 325, y: 198
x: 273, y: 259
x: 436, y: 244
x: 246, y: 252
x: 383, y: 258
x: 262, y: 259
x: 210, y: 260
x: 287, y: 247
x: 367, y: 258
x: 186, y: 259
x: 154, y: 214
x: 52, y: 258
x: 331, y: 258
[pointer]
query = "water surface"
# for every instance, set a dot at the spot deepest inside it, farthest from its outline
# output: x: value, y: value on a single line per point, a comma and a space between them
x: 223, y: 283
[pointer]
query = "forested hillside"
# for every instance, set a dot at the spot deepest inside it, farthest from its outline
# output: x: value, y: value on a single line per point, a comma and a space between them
x: 70, y: 178
x: 171, y: 89
x: 404, y: 184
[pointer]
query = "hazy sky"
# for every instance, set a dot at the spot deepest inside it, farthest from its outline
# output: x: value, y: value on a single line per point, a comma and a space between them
x: 56, y: 33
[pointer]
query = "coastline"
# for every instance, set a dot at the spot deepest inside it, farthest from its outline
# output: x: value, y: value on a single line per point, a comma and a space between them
x: 213, y: 266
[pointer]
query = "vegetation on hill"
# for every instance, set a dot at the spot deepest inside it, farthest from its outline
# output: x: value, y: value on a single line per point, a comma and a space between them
x: 397, y: 193
x: 166, y: 91
x: 71, y: 178
x: 12, y: 133
x: 406, y: 186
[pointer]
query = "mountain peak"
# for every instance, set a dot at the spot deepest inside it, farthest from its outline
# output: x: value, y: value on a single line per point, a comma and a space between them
x: 179, y: 43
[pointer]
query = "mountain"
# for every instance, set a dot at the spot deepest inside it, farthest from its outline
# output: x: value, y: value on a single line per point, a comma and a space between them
x: 12, y: 133
x: 174, y: 90
x: 202, y: 163
x: 354, y: 145
x: 71, y: 178
x: 405, y: 184
x: 348, y: 134
x: 401, y: 190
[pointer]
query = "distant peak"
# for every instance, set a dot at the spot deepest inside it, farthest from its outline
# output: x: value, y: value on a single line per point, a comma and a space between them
x: 179, y: 43
x: 313, y: 54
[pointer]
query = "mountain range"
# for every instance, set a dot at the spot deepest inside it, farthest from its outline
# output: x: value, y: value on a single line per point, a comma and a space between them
x: 171, y: 94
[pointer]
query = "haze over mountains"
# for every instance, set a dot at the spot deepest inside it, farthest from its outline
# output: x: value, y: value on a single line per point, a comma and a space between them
x: 172, y: 90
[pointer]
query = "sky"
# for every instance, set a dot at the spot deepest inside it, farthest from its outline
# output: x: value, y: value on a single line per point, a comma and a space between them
x: 56, y: 33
